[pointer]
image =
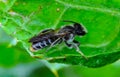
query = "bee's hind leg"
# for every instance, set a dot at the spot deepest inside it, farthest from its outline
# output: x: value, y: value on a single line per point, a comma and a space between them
x: 75, y: 44
x: 57, y: 41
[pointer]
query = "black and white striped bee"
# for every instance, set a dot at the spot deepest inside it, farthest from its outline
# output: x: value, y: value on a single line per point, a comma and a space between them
x: 49, y: 37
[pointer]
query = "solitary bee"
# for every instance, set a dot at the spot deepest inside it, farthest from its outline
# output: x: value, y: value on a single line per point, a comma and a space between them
x: 49, y: 37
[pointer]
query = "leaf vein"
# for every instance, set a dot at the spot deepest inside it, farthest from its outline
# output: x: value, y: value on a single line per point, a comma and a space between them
x: 60, y: 16
x: 100, y: 9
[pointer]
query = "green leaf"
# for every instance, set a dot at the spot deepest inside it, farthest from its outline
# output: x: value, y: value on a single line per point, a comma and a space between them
x: 100, y: 18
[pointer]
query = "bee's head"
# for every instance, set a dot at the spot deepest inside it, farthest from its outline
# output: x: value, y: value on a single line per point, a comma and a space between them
x: 79, y: 29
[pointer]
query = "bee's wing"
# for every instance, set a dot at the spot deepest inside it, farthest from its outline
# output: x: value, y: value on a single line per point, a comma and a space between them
x: 61, y: 35
x: 42, y: 35
x: 46, y: 31
x: 34, y: 39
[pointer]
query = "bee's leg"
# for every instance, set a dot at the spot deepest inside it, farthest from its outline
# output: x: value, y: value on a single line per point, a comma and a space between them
x: 59, y: 40
x: 75, y: 44
x: 69, y: 45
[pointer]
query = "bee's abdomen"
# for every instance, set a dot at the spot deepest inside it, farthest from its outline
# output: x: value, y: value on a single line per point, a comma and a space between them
x: 43, y: 43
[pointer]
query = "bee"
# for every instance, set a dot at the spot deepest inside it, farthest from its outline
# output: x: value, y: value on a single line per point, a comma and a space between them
x: 50, y: 38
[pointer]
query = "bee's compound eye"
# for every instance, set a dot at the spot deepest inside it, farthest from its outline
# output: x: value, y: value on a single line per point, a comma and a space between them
x: 80, y: 33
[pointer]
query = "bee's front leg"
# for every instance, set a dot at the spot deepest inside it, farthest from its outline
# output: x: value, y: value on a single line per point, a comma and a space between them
x: 71, y: 45
x: 75, y: 44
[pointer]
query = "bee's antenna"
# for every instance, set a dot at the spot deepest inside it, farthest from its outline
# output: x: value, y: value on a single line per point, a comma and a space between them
x: 69, y: 21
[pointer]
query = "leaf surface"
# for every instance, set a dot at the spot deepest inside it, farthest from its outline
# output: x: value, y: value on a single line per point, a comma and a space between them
x: 23, y: 19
